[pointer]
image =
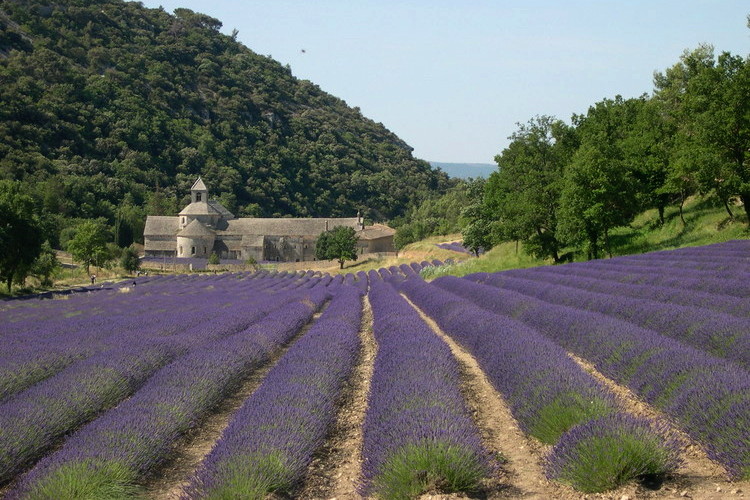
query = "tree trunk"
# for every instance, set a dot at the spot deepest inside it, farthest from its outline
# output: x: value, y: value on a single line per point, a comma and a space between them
x: 10, y: 282
x: 606, y: 243
x: 661, y: 214
x: 746, y: 203
x: 729, y: 210
x: 341, y: 264
x: 682, y: 204
x: 516, y: 247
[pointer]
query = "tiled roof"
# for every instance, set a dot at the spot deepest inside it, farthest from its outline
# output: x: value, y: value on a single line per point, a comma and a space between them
x: 160, y: 245
x: 286, y: 227
x: 225, y: 214
x: 199, y: 208
x: 376, y: 231
x: 161, y: 225
x: 196, y: 229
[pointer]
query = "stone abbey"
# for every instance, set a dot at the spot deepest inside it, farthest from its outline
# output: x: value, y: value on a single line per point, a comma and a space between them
x: 205, y: 226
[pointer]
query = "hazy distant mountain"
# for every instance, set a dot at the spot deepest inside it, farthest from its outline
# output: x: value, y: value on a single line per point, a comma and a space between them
x: 465, y: 170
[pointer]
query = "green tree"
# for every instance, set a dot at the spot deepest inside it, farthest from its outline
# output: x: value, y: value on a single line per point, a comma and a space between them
x: 129, y: 260
x: 46, y: 265
x: 214, y: 258
x: 478, y: 230
x: 600, y: 190
x: 89, y: 245
x: 523, y: 195
x: 21, y: 237
x: 708, y: 99
x: 339, y: 243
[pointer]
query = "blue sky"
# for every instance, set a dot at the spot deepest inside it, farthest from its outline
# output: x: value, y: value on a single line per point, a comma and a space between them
x: 452, y: 78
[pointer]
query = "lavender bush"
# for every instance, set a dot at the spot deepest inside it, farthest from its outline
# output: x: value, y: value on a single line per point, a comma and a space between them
x: 417, y: 432
x: 709, y: 397
x: 602, y: 454
x: 270, y: 441
x: 720, y: 334
x: 546, y: 391
x: 125, y: 443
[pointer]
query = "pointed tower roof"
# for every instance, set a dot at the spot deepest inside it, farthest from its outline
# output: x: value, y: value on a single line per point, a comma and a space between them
x: 199, y: 186
x: 196, y: 230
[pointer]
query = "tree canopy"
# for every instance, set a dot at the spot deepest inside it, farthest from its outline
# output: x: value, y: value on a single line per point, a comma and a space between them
x: 21, y: 235
x: 339, y: 243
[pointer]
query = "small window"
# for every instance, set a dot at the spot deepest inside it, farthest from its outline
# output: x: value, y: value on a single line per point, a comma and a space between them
x: 180, y: 249
x: 197, y: 196
x: 183, y: 221
x: 205, y: 251
x: 192, y: 251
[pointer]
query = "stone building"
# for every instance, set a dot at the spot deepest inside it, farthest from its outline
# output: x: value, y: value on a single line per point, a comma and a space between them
x: 205, y: 226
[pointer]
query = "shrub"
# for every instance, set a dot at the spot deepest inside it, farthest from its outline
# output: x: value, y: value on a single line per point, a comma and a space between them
x: 605, y: 453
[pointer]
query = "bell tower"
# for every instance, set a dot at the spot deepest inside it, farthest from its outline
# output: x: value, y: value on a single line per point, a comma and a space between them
x: 199, y: 192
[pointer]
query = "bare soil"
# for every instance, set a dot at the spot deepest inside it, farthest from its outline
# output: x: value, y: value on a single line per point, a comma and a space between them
x: 521, y: 475
x: 334, y: 472
x: 192, y: 449
x: 698, y: 478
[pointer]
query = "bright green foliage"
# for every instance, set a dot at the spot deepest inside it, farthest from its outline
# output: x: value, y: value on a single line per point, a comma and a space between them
x: 252, y: 478
x: 436, y: 215
x: 600, y: 191
x: 214, y: 258
x: 89, y: 245
x: 709, y: 100
x: 610, y: 458
x: 479, y: 228
x: 46, y: 265
x: 86, y: 481
x: 524, y: 194
x: 429, y: 466
x: 129, y: 260
x: 339, y: 243
x: 562, y: 414
x: 21, y: 235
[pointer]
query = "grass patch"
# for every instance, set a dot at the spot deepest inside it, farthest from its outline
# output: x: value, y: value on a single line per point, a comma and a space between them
x: 86, y: 481
x: 705, y: 223
x: 250, y: 477
x: 564, y: 413
x: 429, y: 466
x: 606, y: 453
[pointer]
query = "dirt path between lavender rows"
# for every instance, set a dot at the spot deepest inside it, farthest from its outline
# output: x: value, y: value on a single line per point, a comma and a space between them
x: 698, y: 478
x: 522, y: 475
x: 193, y: 448
x: 335, y: 470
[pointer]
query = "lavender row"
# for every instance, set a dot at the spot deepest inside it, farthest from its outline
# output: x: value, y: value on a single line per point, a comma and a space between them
x: 547, y: 392
x: 704, y: 281
x: 735, y: 306
x: 271, y: 439
x: 719, y: 334
x: 33, y: 421
x: 34, y: 357
x: 707, y: 396
x: 118, y: 449
x: 417, y: 418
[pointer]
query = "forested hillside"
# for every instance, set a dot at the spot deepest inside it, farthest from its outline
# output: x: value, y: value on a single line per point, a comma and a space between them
x: 109, y: 109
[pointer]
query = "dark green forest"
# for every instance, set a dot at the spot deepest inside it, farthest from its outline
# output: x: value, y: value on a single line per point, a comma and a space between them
x: 561, y: 188
x: 111, y: 110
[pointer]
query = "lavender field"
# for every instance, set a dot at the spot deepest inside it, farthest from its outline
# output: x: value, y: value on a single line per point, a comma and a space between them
x: 629, y: 375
